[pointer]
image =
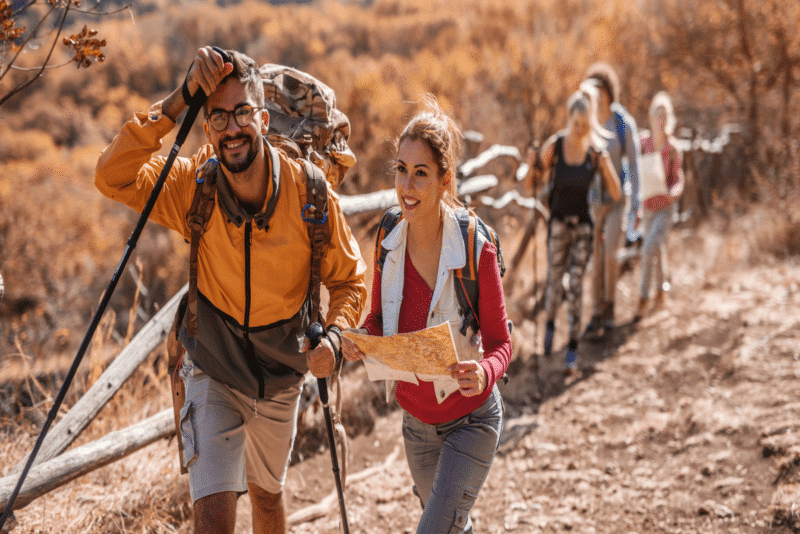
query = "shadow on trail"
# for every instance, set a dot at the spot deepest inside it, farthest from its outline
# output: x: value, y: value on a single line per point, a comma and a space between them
x: 535, y: 378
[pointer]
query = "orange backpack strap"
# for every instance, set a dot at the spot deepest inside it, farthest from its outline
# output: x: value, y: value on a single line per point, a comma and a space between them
x: 467, y: 276
x: 467, y: 290
x: 388, y: 222
x: 197, y: 218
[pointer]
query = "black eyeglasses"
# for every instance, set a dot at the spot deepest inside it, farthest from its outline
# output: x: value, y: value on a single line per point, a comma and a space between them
x: 243, y: 115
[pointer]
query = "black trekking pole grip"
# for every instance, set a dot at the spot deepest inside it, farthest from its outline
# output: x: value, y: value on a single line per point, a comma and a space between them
x: 314, y: 333
x: 197, y: 102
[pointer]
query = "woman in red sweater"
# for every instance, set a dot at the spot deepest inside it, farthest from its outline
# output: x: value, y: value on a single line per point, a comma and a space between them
x: 662, y: 186
x: 451, y: 428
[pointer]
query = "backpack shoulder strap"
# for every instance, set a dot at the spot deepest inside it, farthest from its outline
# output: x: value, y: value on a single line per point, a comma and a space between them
x: 473, y: 229
x: 315, y: 214
x: 197, y: 218
x: 558, y: 150
x: 595, y: 157
x: 467, y: 276
x: 388, y: 222
x: 491, y: 236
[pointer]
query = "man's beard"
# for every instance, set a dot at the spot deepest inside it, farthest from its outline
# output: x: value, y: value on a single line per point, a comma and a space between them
x: 242, y: 165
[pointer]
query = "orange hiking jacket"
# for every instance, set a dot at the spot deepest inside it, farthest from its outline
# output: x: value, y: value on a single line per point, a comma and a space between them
x: 280, y: 262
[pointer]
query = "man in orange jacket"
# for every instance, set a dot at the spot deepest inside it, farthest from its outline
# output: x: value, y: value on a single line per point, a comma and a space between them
x: 245, y: 366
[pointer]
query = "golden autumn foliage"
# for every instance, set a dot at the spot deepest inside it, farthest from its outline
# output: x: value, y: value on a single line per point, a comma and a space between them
x: 503, y: 68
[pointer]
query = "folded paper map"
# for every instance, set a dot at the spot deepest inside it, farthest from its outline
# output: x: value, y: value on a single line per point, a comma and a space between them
x: 427, y: 353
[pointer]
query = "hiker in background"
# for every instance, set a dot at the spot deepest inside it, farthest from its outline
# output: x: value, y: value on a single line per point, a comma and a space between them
x: 451, y: 432
x: 608, y: 214
x: 662, y: 186
x: 244, y: 368
x: 574, y: 156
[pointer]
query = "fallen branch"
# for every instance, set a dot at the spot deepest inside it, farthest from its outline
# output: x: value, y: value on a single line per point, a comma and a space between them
x: 328, y: 504
x: 90, y: 404
x: 47, y: 476
x: 383, y: 200
x: 488, y: 155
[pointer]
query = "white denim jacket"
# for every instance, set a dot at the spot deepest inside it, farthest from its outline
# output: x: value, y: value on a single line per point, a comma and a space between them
x: 444, y: 304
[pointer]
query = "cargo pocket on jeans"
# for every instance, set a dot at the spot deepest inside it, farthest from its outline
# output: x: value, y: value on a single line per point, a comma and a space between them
x: 188, y: 435
x: 460, y: 521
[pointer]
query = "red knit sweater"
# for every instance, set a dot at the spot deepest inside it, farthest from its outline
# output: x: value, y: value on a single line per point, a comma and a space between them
x: 420, y: 400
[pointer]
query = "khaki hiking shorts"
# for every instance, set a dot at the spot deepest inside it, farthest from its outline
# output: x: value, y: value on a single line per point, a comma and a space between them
x: 231, y: 440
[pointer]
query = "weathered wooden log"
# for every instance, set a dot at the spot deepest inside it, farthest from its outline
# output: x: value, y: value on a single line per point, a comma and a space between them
x: 383, y: 200
x: 477, y: 184
x: 47, y: 476
x: 89, y: 405
x: 378, y: 200
x: 328, y: 504
x: 494, y: 152
x: 514, y: 196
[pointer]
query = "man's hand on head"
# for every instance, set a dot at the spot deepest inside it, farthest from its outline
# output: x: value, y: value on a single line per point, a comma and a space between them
x: 207, y: 70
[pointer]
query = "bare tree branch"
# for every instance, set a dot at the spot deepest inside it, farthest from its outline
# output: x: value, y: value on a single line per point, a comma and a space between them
x: 27, y: 40
x: 26, y: 83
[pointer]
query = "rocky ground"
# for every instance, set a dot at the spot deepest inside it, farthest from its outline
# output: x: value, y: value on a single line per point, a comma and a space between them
x: 685, y: 422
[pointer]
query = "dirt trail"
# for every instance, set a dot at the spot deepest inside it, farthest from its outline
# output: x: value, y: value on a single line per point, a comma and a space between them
x: 685, y: 422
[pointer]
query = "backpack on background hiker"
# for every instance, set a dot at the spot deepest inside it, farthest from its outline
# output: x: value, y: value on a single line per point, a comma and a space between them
x: 467, y: 276
x: 304, y: 123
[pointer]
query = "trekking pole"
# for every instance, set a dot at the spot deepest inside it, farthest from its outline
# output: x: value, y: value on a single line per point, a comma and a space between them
x: 314, y: 332
x: 196, y: 103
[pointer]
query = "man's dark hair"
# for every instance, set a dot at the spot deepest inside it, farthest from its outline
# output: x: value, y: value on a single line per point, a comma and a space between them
x: 607, y: 76
x: 245, y: 70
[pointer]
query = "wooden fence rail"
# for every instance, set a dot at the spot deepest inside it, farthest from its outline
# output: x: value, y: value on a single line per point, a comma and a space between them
x: 54, y: 473
x: 89, y: 405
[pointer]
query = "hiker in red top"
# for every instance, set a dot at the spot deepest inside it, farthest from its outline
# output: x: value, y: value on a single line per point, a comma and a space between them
x: 451, y: 427
x: 662, y: 185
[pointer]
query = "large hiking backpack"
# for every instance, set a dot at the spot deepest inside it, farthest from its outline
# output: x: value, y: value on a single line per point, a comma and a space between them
x: 467, y: 276
x: 304, y: 120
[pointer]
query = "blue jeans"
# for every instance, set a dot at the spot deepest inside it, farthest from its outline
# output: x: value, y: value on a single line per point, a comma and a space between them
x: 656, y: 227
x: 449, y: 463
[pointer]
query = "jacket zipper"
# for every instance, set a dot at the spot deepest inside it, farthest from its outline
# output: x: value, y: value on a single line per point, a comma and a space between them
x: 250, y: 355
